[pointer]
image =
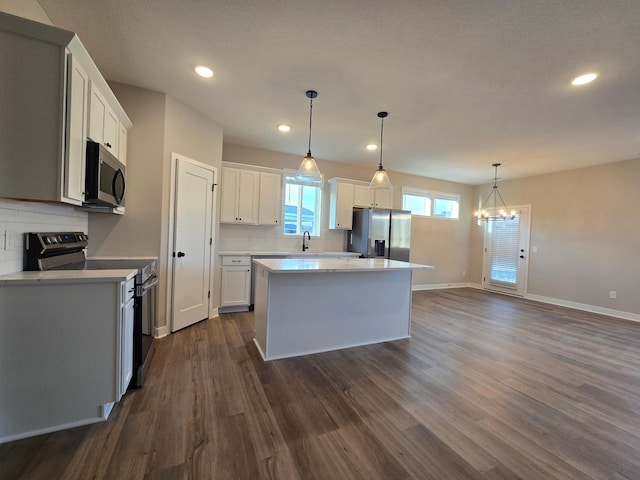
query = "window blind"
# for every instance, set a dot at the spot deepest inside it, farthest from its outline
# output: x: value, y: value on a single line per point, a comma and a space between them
x: 504, y: 252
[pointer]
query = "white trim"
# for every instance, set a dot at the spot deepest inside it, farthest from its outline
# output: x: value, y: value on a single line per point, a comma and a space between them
x: 214, y: 313
x: 171, y: 234
x: 162, y: 331
x: 634, y: 317
x: 56, y: 428
x: 440, y: 286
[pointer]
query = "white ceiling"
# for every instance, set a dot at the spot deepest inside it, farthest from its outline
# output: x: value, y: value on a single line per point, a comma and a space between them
x: 466, y: 82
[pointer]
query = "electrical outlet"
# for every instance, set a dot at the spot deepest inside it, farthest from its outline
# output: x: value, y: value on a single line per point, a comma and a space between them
x: 9, y: 239
x: 613, y: 294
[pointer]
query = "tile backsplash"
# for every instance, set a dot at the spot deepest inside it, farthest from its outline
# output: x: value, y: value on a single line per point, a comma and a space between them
x: 251, y: 238
x: 18, y: 217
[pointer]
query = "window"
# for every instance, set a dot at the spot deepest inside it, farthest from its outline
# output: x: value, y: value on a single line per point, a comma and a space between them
x: 427, y: 204
x: 302, y: 206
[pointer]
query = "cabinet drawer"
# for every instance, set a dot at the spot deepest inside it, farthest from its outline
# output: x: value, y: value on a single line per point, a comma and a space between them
x: 128, y: 289
x: 236, y: 260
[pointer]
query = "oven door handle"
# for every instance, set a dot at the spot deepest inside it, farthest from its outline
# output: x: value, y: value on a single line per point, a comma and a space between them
x: 142, y: 289
x: 150, y: 286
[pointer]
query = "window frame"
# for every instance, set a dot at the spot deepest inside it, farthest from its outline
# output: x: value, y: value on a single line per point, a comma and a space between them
x: 289, y: 173
x: 432, y: 196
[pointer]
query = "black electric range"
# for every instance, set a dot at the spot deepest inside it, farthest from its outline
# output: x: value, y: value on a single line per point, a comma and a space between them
x: 66, y: 251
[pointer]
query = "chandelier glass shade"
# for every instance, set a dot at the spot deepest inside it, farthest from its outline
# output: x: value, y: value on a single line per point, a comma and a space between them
x: 491, y: 209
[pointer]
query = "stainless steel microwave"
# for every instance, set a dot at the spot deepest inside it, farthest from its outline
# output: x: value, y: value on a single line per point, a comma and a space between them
x: 105, y: 180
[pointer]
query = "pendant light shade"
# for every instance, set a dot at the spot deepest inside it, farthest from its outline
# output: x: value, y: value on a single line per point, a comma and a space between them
x: 380, y: 178
x: 491, y: 211
x: 308, y: 171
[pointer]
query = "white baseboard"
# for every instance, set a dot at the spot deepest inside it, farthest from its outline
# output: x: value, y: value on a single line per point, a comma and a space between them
x: 57, y: 428
x: 440, y: 286
x: 214, y: 313
x: 162, y: 331
x: 585, y: 307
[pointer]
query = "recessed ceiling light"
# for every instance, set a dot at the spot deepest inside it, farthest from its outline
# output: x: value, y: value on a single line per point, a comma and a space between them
x: 204, y: 71
x: 584, y: 79
x: 284, y: 128
x: 372, y: 146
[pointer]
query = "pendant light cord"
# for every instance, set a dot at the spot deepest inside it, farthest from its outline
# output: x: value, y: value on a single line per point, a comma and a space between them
x: 381, y: 130
x: 310, y: 115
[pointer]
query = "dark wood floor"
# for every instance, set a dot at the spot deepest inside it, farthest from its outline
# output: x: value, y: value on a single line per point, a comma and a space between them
x: 488, y: 387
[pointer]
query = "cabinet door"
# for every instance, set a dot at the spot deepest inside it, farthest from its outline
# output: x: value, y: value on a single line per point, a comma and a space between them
x: 362, y: 196
x: 344, y: 206
x: 126, y: 347
x: 122, y: 144
x: 236, y: 286
x: 97, y: 111
x: 111, y: 130
x: 384, y: 198
x: 229, y: 184
x: 270, y: 198
x: 248, y: 196
x: 77, y: 106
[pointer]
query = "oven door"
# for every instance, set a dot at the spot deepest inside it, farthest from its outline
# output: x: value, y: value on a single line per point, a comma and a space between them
x: 145, y: 322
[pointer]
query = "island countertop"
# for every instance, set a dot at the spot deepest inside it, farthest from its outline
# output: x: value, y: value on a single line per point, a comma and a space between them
x: 319, y: 265
x: 67, y: 276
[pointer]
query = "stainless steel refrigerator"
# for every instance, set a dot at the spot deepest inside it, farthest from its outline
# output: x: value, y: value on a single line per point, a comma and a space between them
x: 381, y: 233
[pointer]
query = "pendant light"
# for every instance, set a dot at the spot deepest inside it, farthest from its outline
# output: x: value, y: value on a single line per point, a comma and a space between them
x: 308, y: 171
x: 380, y: 178
x: 498, y: 212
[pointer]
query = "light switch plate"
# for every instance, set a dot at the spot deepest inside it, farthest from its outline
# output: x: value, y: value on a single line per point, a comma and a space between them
x: 9, y: 239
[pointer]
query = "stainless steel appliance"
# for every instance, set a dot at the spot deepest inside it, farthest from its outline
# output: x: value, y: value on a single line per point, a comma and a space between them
x: 66, y: 251
x: 105, y: 181
x: 380, y: 232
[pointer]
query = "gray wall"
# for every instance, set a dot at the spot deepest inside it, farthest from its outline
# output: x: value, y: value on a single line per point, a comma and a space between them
x: 585, y: 225
x: 161, y: 125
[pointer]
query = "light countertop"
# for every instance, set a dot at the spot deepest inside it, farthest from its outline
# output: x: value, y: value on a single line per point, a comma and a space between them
x: 67, y: 276
x: 323, y: 265
x: 296, y: 253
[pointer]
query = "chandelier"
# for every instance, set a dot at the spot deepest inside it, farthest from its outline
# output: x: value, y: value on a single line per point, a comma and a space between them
x: 495, y: 211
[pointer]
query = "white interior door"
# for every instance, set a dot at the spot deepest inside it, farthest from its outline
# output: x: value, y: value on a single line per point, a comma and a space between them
x: 192, y: 244
x: 506, y: 253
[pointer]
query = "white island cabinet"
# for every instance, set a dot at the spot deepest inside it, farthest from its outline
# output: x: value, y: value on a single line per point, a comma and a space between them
x: 66, y: 349
x: 305, y: 306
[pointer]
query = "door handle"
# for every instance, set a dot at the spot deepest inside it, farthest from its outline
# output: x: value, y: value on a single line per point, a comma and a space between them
x: 181, y: 254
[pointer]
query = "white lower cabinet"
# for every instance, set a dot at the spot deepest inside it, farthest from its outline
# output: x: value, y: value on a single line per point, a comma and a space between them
x: 67, y: 351
x: 126, y: 336
x: 235, y: 289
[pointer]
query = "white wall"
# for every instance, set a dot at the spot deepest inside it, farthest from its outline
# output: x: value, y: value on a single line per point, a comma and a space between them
x: 18, y: 217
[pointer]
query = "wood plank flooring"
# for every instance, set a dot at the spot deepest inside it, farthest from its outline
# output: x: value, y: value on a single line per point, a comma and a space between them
x: 488, y: 387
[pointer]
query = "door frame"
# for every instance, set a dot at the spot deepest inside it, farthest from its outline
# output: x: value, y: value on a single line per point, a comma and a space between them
x: 213, y: 311
x: 527, y: 253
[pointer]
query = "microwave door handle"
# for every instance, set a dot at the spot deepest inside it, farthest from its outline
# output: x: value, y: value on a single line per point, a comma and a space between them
x: 120, y: 173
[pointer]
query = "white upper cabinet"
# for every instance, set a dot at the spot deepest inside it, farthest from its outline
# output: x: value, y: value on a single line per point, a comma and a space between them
x: 77, y: 105
x: 363, y: 196
x: 104, y: 126
x: 341, y: 204
x: 239, y: 196
x: 270, y: 198
x: 383, y: 198
x: 46, y: 89
x: 122, y: 143
x: 346, y: 194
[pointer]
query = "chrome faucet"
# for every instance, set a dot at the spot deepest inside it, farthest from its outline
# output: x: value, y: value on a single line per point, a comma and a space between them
x: 305, y: 245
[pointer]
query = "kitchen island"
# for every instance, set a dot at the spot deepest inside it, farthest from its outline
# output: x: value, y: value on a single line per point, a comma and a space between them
x: 305, y: 306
